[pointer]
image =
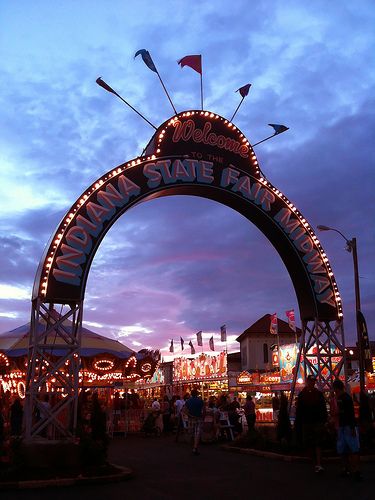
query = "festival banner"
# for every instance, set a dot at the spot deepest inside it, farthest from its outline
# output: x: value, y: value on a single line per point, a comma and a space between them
x: 291, y: 319
x: 211, y: 344
x: 273, y: 324
x: 287, y: 360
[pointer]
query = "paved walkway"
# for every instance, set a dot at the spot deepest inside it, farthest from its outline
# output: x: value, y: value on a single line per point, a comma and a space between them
x: 165, y: 470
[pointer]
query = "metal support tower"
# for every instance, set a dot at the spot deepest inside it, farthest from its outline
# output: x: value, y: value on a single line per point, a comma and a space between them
x: 321, y: 353
x: 53, y: 360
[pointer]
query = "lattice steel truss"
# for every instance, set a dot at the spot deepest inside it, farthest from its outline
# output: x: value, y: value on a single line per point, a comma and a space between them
x: 53, y: 358
x: 322, y: 353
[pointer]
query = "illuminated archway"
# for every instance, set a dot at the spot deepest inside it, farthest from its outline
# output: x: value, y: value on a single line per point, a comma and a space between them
x: 194, y: 153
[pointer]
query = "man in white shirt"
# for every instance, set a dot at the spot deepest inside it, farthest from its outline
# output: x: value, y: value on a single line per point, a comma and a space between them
x: 155, y: 405
x: 179, y: 404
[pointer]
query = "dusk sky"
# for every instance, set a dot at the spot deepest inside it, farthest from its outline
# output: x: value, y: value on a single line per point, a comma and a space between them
x: 176, y: 265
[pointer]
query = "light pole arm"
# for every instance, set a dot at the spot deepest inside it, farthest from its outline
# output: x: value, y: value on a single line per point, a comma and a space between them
x: 352, y: 247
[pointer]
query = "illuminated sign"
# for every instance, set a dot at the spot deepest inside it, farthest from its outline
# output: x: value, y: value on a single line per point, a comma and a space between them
x: 275, y: 358
x: 198, y: 153
x: 269, y: 378
x: 288, y: 359
x: 203, y: 367
x: 328, y: 363
x: 244, y: 378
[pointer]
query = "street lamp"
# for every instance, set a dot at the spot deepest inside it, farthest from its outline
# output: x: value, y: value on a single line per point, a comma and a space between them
x: 351, y: 247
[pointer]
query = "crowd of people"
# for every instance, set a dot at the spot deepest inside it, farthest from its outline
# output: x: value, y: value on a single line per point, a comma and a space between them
x: 225, y: 416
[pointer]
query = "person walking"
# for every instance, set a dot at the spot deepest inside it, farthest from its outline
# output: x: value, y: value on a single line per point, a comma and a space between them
x: 311, y: 418
x: 347, y: 433
x: 250, y: 414
x: 194, y: 407
x: 178, y: 407
x: 16, y: 416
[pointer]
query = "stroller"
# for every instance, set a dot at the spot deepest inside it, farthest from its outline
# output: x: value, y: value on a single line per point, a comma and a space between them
x: 149, y: 425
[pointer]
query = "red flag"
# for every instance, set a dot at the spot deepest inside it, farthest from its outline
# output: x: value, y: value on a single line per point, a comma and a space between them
x: 211, y: 343
x: 273, y: 324
x: 171, y: 348
x: 244, y: 90
x: 194, y: 62
x: 199, y: 338
x: 182, y: 343
x: 291, y: 319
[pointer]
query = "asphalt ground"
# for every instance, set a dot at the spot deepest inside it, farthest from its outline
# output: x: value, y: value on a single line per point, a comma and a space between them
x: 164, y: 469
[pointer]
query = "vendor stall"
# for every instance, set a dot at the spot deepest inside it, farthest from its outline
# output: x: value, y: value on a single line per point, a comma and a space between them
x: 208, y: 373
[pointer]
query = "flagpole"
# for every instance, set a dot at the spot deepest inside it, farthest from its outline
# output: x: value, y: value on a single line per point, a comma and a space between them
x: 166, y: 91
x: 278, y: 344
x: 266, y: 139
x: 279, y: 129
x: 202, y: 83
x: 238, y: 107
x: 106, y: 87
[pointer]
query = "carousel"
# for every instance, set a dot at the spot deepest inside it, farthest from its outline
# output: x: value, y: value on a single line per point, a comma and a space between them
x: 105, y: 362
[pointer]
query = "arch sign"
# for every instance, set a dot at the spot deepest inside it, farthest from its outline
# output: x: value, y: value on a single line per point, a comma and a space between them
x: 194, y: 153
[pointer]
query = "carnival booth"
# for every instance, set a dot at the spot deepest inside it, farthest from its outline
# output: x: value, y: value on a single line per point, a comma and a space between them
x: 208, y: 373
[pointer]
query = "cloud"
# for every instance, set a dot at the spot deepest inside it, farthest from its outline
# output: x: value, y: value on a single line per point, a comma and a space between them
x: 187, y: 260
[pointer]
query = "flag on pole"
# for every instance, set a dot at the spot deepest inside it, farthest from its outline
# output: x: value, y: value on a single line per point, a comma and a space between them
x: 182, y: 343
x: 171, y: 348
x: 192, y: 347
x: 199, y: 338
x: 194, y: 62
x: 147, y: 59
x: 273, y: 324
x: 211, y: 343
x: 291, y: 319
x: 244, y: 90
x: 365, y: 343
x: 223, y: 333
x: 278, y: 128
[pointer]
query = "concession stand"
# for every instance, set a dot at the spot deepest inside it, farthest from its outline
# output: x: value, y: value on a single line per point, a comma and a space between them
x: 264, y: 388
x: 206, y: 372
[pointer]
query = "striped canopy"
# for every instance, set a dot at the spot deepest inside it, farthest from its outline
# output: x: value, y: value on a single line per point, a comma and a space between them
x: 15, y: 343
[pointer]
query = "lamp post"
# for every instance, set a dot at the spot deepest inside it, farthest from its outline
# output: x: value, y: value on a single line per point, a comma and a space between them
x: 351, y: 247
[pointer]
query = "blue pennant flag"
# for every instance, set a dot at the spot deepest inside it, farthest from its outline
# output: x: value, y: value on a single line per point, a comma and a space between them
x: 278, y: 128
x: 145, y: 54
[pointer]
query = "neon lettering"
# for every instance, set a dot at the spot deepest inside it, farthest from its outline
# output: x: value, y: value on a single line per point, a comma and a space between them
x: 187, y: 131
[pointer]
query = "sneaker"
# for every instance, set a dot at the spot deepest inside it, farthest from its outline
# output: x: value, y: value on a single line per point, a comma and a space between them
x: 319, y: 469
x: 196, y: 452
